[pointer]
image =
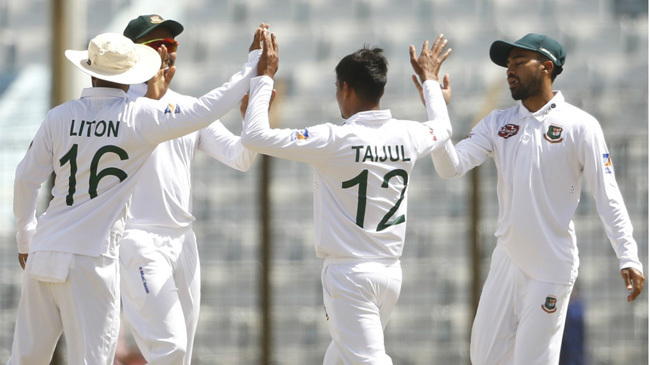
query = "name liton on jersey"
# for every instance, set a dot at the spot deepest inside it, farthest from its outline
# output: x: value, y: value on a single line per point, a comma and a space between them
x: 380, y: 153
x: 94, y: 128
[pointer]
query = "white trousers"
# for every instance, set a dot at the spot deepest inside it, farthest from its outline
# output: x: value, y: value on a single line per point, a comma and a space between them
x: 85, y: 308
x: 359, y: 297
x: 161, y: 292
x: 519, y: 320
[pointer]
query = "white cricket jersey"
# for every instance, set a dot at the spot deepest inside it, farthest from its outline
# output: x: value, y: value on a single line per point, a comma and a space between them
x: 361, y: 170
x: 162, y: 196
x: 96, y: 146
x: 541, y: 159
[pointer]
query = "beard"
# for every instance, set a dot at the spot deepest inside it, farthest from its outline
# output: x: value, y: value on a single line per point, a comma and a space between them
x: 524, y: 90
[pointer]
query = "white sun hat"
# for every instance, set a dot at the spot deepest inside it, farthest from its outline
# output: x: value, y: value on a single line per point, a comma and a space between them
x: 115, y: 58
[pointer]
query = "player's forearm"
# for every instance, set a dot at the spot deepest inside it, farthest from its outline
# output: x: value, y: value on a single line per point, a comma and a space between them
x: 436, y: 107
x: 25, y: 198
x: 446, y: 161
x: 175, y: 121
x: 599, y: 176
x: 256, y: 121
x: 236, y: 156
x: 618, y: 226
x: 222, y: 145
x: 221, y: 100
x: 31, y: 172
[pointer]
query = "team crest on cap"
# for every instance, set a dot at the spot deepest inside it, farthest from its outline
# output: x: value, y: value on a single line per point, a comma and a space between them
x: 607, y: 162
x: 156, y: 19
x: 508, y: 130
x: 554, y: 134
x: 549, y: 305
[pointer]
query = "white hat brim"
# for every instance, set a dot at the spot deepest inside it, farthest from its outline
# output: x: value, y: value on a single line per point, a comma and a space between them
x: 148, y: 64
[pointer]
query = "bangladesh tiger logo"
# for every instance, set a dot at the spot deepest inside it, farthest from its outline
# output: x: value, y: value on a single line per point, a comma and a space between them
x: 549, y: 305
x: 508, y: 130
x: 554, y: 134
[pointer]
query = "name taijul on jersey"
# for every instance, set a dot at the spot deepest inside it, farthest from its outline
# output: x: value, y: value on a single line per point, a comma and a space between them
x: 373, y: 153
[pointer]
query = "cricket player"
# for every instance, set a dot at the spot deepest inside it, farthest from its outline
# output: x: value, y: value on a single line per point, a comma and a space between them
x: 543, y: 149
x: 361, y: 176
x: 159, y: 261
x: 96, y: 147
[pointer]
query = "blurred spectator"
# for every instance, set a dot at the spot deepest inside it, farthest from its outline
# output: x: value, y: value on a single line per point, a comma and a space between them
x: 573, y: 340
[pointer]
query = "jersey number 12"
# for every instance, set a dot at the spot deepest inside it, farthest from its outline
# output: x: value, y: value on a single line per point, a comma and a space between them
x: 362, y: 181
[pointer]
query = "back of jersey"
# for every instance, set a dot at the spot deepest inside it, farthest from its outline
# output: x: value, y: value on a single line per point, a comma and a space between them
x: 361, y: 189
x: 94, y: 154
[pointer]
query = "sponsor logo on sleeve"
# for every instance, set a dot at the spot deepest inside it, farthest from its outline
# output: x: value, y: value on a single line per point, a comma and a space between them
x: 172, y: 109
x: 508, y: 130
x: 554, y: 134
x: 303, y: 134
x: 607, y: 162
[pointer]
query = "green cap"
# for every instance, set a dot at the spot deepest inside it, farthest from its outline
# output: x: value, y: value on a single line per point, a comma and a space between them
x: 144, y: 24
x: 500, y: 50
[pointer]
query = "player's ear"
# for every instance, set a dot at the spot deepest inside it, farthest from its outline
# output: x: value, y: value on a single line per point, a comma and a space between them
x: 548, y: 67
x: 347, y: 90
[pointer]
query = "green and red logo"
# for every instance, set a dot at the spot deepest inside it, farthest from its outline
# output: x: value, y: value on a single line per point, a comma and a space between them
x: 549, y: 305
x: 554, y: 134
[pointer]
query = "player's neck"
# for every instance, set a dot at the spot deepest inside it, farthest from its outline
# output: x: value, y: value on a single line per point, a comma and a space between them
x: 537, y: 102
x: 364, y: 107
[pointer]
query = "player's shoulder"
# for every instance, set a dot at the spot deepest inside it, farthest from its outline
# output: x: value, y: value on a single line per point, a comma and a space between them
x: 503, y: 116
x: 398, y: 127
x: 576, y: 114
x: 67, y: 110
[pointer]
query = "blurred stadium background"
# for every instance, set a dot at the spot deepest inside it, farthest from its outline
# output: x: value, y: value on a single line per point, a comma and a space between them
x: 451, y: 223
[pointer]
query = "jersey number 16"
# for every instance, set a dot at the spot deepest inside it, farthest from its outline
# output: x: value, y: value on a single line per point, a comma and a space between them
x: 71, y: 156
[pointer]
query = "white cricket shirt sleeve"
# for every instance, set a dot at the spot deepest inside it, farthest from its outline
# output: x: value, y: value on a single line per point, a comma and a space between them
x: 598, y: 171
x: 285, y: 143
x: 222, y: 145
x: 436, y: 109
x: 197, y: 114
x: 31, y: 172
x: 449, y: 163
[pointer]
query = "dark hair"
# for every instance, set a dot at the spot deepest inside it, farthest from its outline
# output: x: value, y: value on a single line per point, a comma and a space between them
x: 365, y: 71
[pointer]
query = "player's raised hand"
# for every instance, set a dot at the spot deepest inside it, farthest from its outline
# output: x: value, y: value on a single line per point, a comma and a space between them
x: 427, y: 65
x: 158, y: 85
x: 258, y: 37
x: 269, y: 61
x: 634, y: 280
